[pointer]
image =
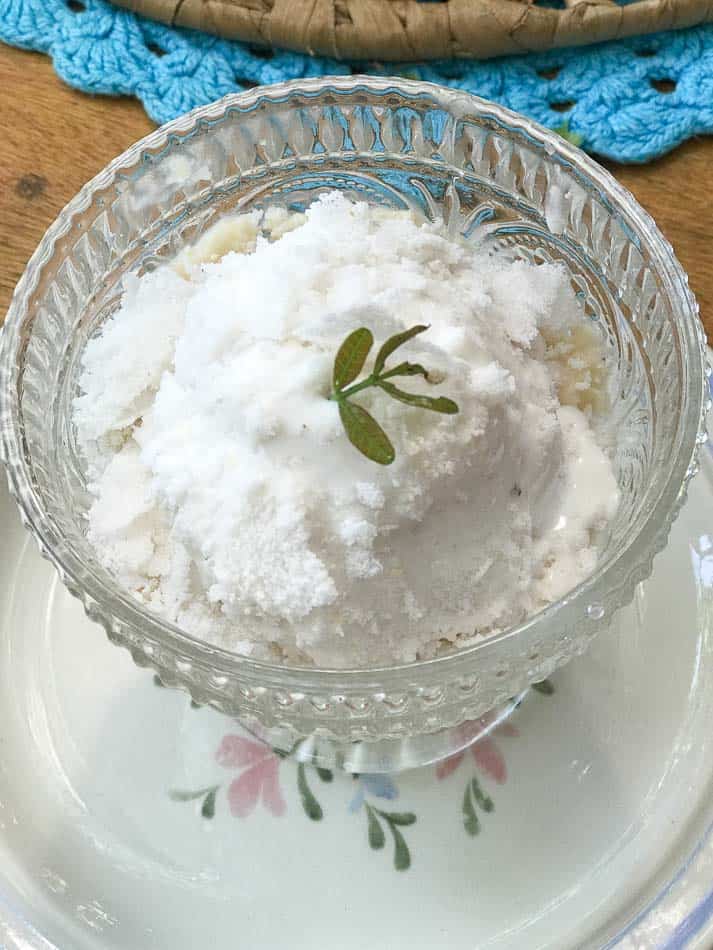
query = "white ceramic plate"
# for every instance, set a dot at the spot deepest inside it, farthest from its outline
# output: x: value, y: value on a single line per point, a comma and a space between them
x: 129, y: 819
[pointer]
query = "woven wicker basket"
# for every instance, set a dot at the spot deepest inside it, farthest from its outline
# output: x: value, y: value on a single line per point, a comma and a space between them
x: 406, y: 30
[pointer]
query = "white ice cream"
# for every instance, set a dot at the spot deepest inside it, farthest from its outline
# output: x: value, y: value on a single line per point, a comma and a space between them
x: 228, y: 497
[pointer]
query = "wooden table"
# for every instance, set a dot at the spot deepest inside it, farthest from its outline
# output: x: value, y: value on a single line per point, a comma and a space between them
x: 54, y: 139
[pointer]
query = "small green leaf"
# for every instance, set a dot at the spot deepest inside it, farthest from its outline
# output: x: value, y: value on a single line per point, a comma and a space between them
x: 398, y: 817
x: 393, y: 343
x: 402, y: 856
x: 470, y: 819
x: 365, y: 433
x: 183, y: 795
x: 351, y: 356
x: 376, y: 832
x: 408, y: 369
x: 325, y: 774
x: 485, y: 801
x: 208, y: 809
x: 437, y: 404
x: 310, y: 804
x: 574, y: 137
x: 546, y: 687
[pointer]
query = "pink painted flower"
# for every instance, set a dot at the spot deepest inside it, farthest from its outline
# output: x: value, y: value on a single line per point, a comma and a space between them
x: 260, y: 777
x: 484, y: 750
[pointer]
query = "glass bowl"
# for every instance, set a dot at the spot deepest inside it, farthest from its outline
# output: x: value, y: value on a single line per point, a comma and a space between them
x: 494, y: 176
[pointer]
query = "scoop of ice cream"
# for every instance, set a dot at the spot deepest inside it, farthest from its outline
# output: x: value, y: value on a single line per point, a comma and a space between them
x: 254, y: 521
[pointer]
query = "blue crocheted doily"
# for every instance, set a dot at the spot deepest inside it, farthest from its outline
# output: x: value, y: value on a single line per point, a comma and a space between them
x: 629, y: 100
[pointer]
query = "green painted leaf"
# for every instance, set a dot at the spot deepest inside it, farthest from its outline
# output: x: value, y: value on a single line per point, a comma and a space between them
x: 435, y: 404
x: 485, y: 801
x: 402, y: 855
x: 470, y: 819
x: 365, y: 433
x: 574, y: 137
x: 399, y: 817
x: 325, y: 774
x: 546, y: 687
x: 310, y: 804
x: 186, y: 795
x: 351, y: 356
x: 208, y: 809
x: 376, y: 832
x: 393, y: 343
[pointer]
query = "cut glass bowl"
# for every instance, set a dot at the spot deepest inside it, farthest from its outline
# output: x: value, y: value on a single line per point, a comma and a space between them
x: 493, y: 176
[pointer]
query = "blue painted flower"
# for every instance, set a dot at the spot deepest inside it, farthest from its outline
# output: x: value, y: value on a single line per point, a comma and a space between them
x: 376, y: 785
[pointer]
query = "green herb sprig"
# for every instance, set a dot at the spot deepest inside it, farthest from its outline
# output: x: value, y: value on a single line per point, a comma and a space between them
x: 362, y: 430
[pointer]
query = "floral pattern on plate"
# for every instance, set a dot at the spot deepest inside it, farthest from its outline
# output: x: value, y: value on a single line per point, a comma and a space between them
x: 260, y: 773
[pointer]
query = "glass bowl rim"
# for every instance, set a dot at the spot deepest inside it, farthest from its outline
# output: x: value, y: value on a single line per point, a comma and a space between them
x: 107, y: 606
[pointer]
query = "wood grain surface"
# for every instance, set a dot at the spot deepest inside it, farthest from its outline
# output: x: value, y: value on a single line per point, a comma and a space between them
x: 54, y: 139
